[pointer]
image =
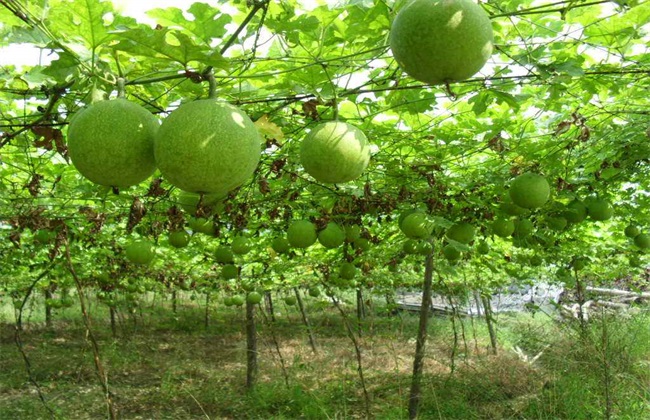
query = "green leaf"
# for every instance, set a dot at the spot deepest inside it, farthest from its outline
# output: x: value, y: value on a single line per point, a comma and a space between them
x: 208, y: 22
x: 167, y: 44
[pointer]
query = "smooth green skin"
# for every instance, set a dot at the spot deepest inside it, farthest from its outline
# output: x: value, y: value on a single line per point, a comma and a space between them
x: 140, y: 252
x: 416, y: 225
x: 280, y: 245
x: 228, y: 301
x: 332, y: 236
x: 523, y: 228
x: 253, y: 298
x: 575, y: 212
x: 237, y: 300
x: 599, y: 209
x: 189, y: 201
x: 361, y: 243
x: 483, y: 248
x: 301, y: 234
x: 352, y: 233
x: 290, y: 300
x: 229, y: 271
x: 461, y: 232
x: 207, y: 146
x: 314, y: 292
x: 503, y: 228
x: 202, y: 225
x: 223, y: 255
x: 424, y: 248
x: 530, y: 190
x: 111, y: 143
x: 179, y: 239
x: 347, y: 271
x: 642, y: 240
x: 241, y: 245
x: 439, y: 41
x: 632, y: 231
x: 451, y: 253
x: 410, y: 246
x: 335, y: 152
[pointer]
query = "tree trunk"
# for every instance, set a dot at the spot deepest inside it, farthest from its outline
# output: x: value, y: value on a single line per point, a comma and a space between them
x: 206, y: 320
x: 361, y: 312
x: 113, y: 323
x: 174, y: 301
x: 251, y: 347
x: 48, y: 308
x: 418, y: 360
x: 269, y: 305
x: 310, y: 333
x: 489, y: 321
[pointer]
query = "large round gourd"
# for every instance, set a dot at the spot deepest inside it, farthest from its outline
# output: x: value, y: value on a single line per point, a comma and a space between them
x: 111, y: 143
x: 335, y: 152
x: 207, y: 146
x: 530, y: 190
x: 439, y: 41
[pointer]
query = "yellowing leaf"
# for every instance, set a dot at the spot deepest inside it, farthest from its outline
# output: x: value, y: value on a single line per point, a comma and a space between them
x: 268, y: 128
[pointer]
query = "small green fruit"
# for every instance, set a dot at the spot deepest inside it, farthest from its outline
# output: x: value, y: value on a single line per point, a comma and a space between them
x: 642, y: 240
x: 253, y: 298
x: 461, y: 232
x: 140, y: 252
x: 228, y: 301
x: 335, y: 152
x: 599, y: 209
x: 202, y: 225
x: 301, y: 234
x: 503, y: 227
x: 530, y: 190
x: 362, y: 244
x: 556, y: 223
x: 224, y: 255
x: 451, y: 253
x: 575, y: 212
x: 416, y: 225
x: 290, y: 300
x: 352, y: 232
x: 314, y: 292
x: 179, y: 239
x: 332, y: 236
x: 523, y: 228
x: 280, y: 245
x: 241, y: 245
x: 631, y: 231
x: 410, y: 246
x: 347, y: 271
x: 238, y: 300
x: 424, y: 248
x: 229, y: 271
x: 483, y: 248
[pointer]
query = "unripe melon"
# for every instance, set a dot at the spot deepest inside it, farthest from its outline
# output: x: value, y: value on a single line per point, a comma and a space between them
x: 424, y: 248
x: 207, y: 146
x: 642, y: 240
x: 556, y: 223
x: 290, y: 300
x: 189, y: 202
x: 202, y: 225
x: 301, y: 234
x: 241, y: 245
x: 438, y: 41
x: 599, y: 209
x: 461, y: 232
x: 223, y: 255
x: 631, y: 231
x: 450, y: 252
x: 237, y: 300
x: 314, y: 291
x: 140, y: 252
x: 410, y: 246
x: 332, y: 236
x: 352, y: 233
x: 483, y: 248
x: 335, y: 152
x: 530, y: 190
x: 503, y: 227
x: 253, y: 298
x: 347, y: 271
x: 111, y: 143
x: 523, y: 228
x: 416, y: 225
x: 575, y: 212
x: 179, y: 239
x: 229, y: 271
x: 280, y: 245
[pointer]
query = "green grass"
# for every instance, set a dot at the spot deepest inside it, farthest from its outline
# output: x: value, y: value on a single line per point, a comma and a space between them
x: 168, y: 365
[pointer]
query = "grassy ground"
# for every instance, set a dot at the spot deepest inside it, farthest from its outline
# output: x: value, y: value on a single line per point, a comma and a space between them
x: 166, y: 365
